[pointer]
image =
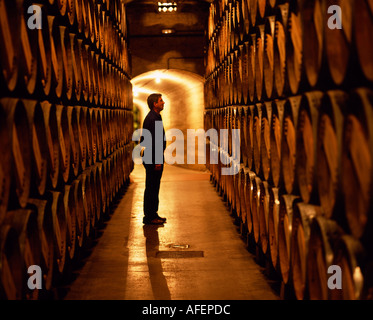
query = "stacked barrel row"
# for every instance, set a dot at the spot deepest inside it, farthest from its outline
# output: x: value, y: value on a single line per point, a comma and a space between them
x: 65, y: 135
x: 303, y: 191
x: 257, y: 49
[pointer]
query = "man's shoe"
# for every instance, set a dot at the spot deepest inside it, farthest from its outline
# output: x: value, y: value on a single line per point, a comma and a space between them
x: 164, y: 219
x: 154, y: 221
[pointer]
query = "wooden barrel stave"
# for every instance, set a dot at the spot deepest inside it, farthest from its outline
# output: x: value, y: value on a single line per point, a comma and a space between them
x: 24, y: 221
x: 324, y: 235
x: 45, y: 232
x: 12, y: 274
x: 56, y: 205
x: 17, y: 124
x: 39, y: 145
x: 64, y: 142
x: 5, y: 163
x: 306, y: 146
x: 357, y: 166
x: 265, y: 138
x: 56, y: 56
x: 284, y: 234
x: 301, y: 227
x: 268, y: 58
x: 350, y: 256
x: 10, y: 41
x: 288, y: 143
x: 329, y: 151
x: 273, y: 221
x: 70, y: 208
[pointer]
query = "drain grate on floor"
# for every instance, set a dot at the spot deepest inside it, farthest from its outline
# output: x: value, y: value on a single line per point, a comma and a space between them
x: 179, y: 254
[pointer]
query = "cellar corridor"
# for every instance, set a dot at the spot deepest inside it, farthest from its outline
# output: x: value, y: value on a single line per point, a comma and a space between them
x: 186, y: 259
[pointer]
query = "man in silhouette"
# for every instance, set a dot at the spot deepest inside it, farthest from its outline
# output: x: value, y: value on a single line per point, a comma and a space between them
x: 154, y: 169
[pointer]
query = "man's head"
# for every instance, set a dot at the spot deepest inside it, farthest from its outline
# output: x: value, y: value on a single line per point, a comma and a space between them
x: 155, y: 102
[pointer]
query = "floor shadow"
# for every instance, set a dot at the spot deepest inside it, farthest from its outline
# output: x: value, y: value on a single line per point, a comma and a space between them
x: 157, y: 279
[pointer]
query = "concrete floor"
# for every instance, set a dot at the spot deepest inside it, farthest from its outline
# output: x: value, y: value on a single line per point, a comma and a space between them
x: 135, y: 262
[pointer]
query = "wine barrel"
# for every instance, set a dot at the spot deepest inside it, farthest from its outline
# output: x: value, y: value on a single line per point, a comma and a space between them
x: 268, y: 56
x: 39, y: 144
x: 273, y: 220
x: 87, y: 134
x: 76, y: 189
x: 306, y: 133
x: 313, y: 39
x: 70, y: 208
x: 280, y: 44
x: 285, y: 221
x: 105, y: 178
x: 92, y: 132
x: 64, y: 141
x: 329, y: 150
x: 83, y: 192
x: 253, y: 9
x: 51, y: 134
x: 17, y: 125
x: 257, y: 124
x: 288, y: 143
x: 294, y: 49
x: 10, y: 41
x: 102, y: 186
x: 67, y: 62
x: 28, y: 63
x: 259, y: 61
x: 302, y: 217
x: 245, y: 16
x: 79, y: 15
x: 44, y: 54
x: 71, y: 11
x: 45, y: 232
x: 55, y: 41
x: 62, y: 6
x: 265, y: 138
x: 244, y: 51
x: 98, y: 191
x: 11, y: 271
x: 85, y: 18
x: 93, y: 75
x: 357, y: 165
x: 73, y: 127
x: 363, y: 23
x: 338, y: 41
x: 263, y: 212
x: 56, y: 205
x: 76, y: 65
x: 91, y: 197
x: 242, y: 200
x: 82, y: 136
x: 323, y: 237
x: 276, y: 141
x: 24, y: 221
x: 255, y: 204
x: 251, y: 66
x: 88, y: 71
x: 349, y: 255
x: 84, y: 70
x: 100, y: 136
x: 5, y: 162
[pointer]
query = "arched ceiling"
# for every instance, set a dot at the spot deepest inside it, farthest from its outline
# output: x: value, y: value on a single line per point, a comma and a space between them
x: 152, y: 49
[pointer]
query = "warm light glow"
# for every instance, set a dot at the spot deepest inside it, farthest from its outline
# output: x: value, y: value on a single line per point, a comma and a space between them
x: 167, y: 6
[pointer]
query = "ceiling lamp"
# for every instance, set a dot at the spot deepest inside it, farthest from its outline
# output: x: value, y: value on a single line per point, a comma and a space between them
x: 167, y: 6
